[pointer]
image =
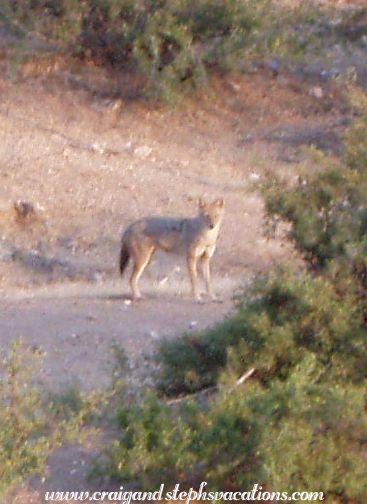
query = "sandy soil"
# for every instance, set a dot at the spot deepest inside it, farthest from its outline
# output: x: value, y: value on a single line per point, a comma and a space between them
x: 90, y: 160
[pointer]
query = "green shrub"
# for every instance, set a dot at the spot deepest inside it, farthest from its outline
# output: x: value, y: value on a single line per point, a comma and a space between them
x: 30, y: 429
x: 172, y: 44
x: 327, y: 209
x: 280, y: 320
x: 159, y: 443
x: 243, y: 437
x: 149, y: 443
x: 175, y: 44
x: 319, y: 429
x: 191, y: 362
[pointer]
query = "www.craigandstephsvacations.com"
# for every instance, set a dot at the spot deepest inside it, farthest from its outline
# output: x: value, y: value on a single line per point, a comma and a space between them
x: 185, y: 496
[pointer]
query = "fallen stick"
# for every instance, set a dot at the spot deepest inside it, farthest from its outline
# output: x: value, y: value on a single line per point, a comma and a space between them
x: 238, y: 382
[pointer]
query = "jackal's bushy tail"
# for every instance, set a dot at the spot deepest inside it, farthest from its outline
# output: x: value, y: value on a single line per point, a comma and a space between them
x: 124, y: 257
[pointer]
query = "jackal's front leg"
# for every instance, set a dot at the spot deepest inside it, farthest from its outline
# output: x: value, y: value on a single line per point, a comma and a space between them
x: 205, y: 258
x: 192, y: 267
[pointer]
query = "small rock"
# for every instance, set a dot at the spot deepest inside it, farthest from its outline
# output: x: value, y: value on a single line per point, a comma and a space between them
x: 273, y: 64
x: 343, y: 121
x: 98, y: 148
x: 98, y: 276
x: 143, y: 151
x: 24, y: 210
x: 254, y: 176
x: 283, y: 80
x: 234, y: 86
x: 316, y: 92
x: 153, y: 334
x: 323, y: 74
x: 193, y: 324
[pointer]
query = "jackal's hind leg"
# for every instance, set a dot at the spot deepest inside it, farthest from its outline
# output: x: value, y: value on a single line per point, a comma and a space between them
x: 141, y: 261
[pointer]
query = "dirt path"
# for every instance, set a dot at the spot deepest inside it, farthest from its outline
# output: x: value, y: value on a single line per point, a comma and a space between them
x: 79, y: 324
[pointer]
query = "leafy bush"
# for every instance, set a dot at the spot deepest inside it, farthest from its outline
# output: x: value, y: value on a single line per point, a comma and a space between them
x: 175, y: 44
x: 279, y: 321
x: 52, y: 19
x: 191, y: 362
x: 327, y: 209
x: 29, y: 429
x: 172, y: 44
x: 327, y: 212
x: 320, y: 429
x: 242, y: 437
x: 161, y: 443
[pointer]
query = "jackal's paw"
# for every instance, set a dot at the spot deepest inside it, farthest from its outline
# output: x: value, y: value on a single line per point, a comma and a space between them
x: 199, y: 299
x: 213, y: 298
x: 216, y: 299
x: 137, y: 297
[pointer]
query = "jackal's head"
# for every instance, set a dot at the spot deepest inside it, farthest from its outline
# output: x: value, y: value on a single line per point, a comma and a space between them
x: 211, y: 213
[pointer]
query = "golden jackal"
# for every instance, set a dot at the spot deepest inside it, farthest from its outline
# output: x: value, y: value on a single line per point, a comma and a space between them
x: 193, y: 237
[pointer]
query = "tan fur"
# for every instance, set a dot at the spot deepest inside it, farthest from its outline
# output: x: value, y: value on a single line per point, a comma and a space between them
x: 193, y: 237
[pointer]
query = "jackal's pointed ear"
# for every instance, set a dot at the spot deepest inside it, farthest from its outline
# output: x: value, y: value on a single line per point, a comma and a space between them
x: 201, y: 203
x: 219, y: 202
